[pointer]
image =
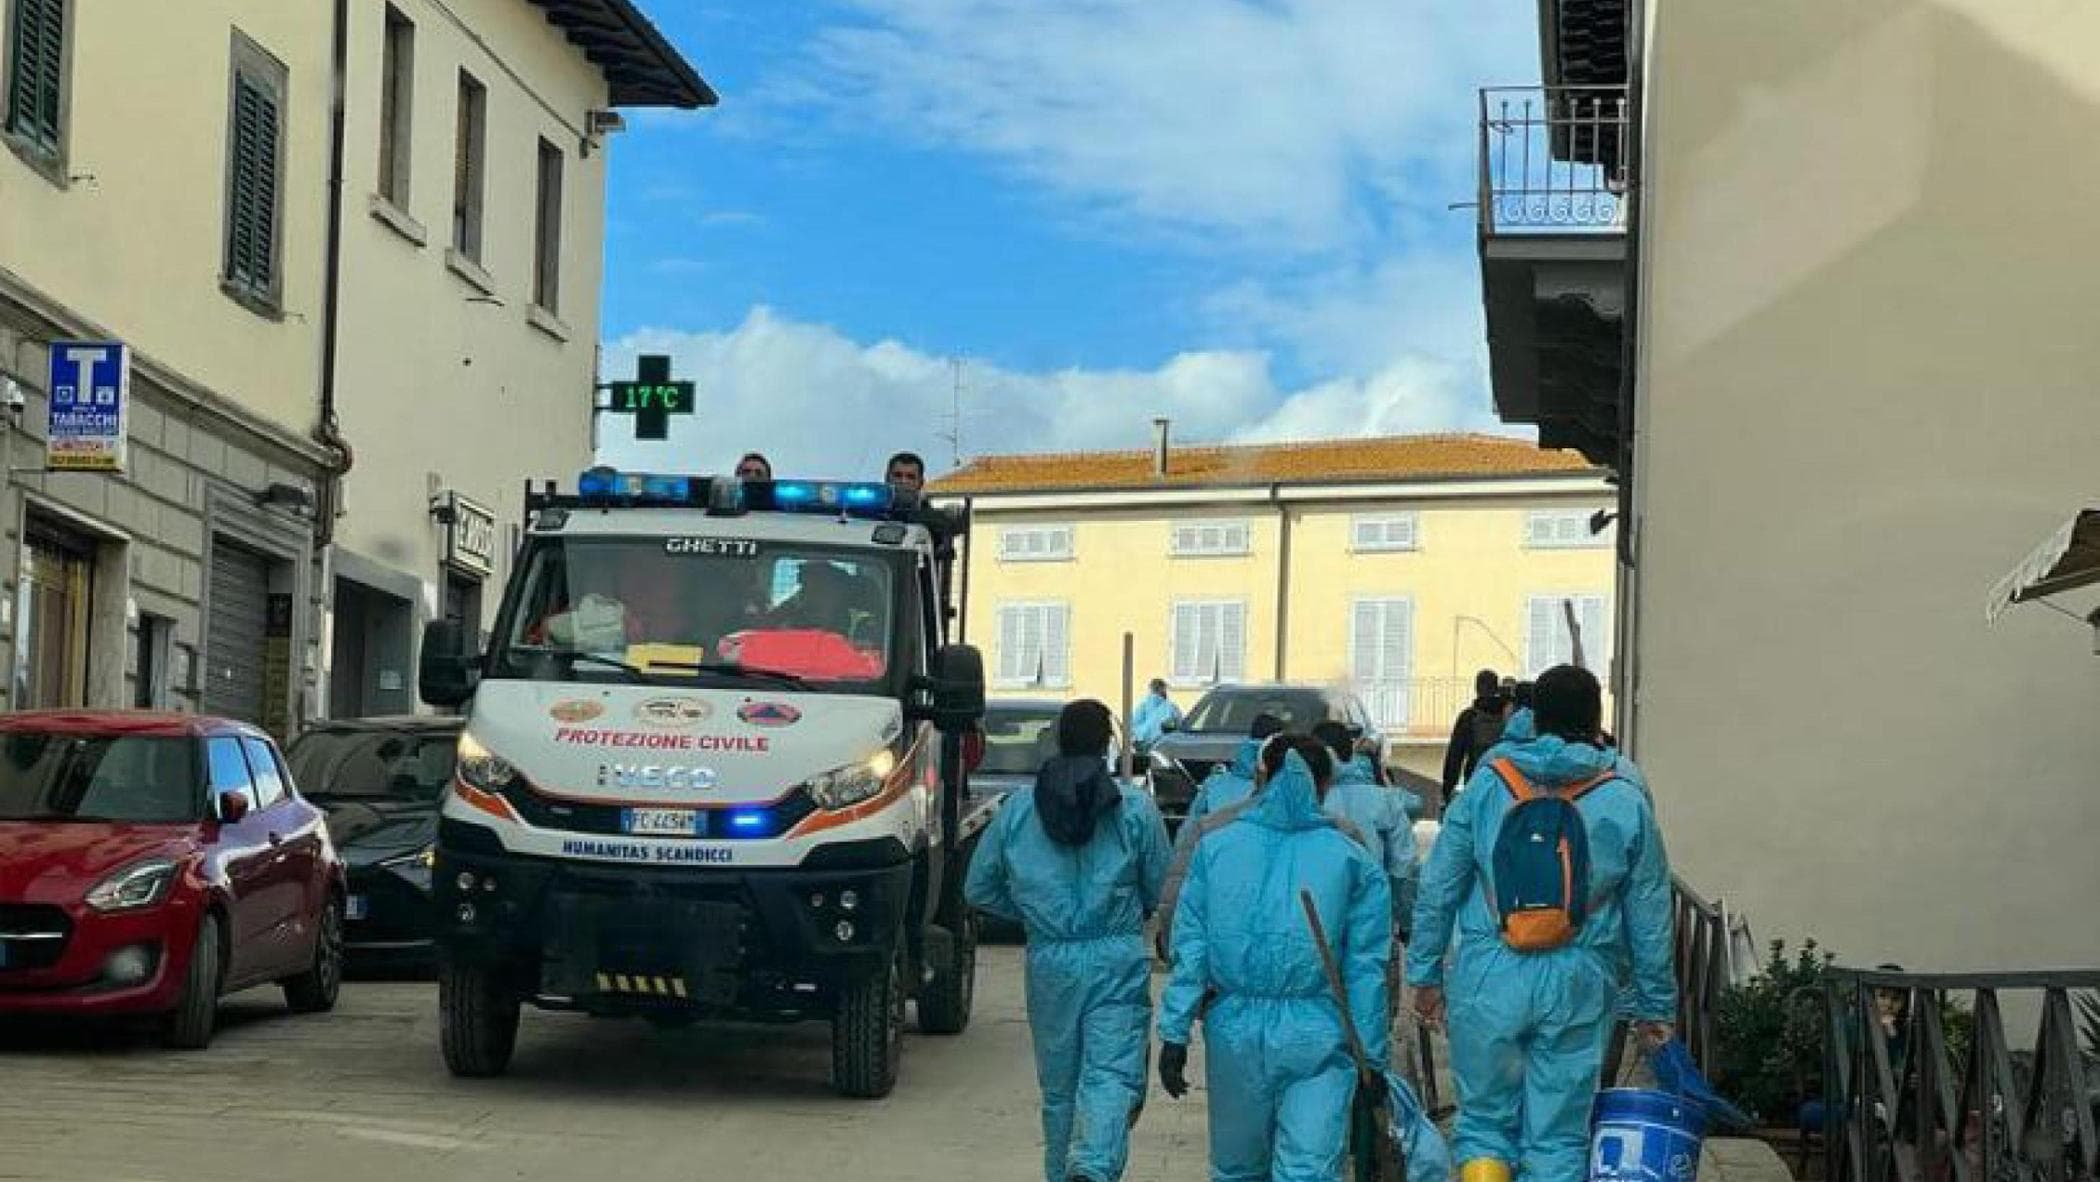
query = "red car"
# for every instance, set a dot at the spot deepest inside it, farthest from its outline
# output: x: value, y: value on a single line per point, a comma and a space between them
x: 152, y: 863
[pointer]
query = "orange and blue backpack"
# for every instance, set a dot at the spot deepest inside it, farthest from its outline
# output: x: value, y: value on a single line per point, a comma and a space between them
x: 1540, y: 888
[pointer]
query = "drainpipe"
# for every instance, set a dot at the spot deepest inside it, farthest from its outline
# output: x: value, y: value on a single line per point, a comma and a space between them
x: 1283, y: 578
x: 1159, y: 448
x: 962, y: 620
x: 329, y: 430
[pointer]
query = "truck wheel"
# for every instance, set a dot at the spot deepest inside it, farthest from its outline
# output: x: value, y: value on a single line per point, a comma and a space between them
x: 477, y: 1020
x: 315, y: 990
x: 867, y: 1033
x: 196, y: 1013
x: 946, y: 1000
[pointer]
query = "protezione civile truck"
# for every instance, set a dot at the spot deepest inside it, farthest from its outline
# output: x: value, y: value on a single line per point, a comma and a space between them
x: 714, y: 765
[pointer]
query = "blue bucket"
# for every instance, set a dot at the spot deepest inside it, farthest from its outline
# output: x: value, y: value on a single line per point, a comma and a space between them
x: 1643, y: 1136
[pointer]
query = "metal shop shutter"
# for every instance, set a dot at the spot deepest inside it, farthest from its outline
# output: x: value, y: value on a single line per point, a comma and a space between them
x: 234, y: 670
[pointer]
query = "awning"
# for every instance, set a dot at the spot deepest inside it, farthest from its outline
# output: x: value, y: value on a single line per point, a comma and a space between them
x: 2070, y: 559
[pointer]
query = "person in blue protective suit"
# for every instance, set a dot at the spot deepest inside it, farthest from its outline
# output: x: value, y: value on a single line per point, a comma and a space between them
x: 1078, y: 862
x: 1229, y: 783
x: 1153, y: 716
x: 1528, y: 1028
x: 1278, y: 1064
x: 1378, y: 813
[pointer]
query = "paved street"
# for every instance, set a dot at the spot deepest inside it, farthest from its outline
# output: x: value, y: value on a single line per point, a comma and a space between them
x: 362, y: 1094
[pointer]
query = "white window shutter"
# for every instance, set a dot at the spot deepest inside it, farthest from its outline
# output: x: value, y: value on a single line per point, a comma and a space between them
x: 1057, y: 633
x: 1009, y: 662
x: 1365, y: 648
x: 1232, y: 641
x: 1184, y: 630
x: 1540, y: 644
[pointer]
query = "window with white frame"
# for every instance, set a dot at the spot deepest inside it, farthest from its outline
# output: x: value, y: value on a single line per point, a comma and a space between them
x: 1209, y: 642
x: 1208, y: 539
x: 1035, y: 645
x: 1035, y: 543
x: 1549, y: 642
x: 1561, y: 529
x: 1373, y: 533
x: 1381, y: 657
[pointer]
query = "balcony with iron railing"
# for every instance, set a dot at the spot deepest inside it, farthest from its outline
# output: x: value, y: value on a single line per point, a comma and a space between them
x: 1557, y: 183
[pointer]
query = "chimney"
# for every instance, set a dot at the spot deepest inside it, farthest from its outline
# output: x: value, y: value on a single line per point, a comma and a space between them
x: 1159, y: 449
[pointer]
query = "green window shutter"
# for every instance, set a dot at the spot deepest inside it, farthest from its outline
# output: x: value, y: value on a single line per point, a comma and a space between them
x: 36, y: 71
x: 251, y: 221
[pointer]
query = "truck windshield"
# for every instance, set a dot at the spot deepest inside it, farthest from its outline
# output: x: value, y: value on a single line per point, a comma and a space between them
x: 680, y: 609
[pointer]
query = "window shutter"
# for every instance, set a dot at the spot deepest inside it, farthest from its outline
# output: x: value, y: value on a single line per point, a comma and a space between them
x: 1184, y: 630
x: 36, y: 59
x: 1232, y: 641
x: 1009, y: 644
x: 252, y: 204
x: 1540, y: 645
x: 1364, y: 643
x: 1590, y: 610
x: 1056, y: 645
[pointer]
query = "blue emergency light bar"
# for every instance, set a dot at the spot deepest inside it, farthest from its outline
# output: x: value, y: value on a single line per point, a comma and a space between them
x: 608, y: 487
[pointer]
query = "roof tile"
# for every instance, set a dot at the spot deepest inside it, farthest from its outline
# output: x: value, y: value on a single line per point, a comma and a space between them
x: 1399, y: 457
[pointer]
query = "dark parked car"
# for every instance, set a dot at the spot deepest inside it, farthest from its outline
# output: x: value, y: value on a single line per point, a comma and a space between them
x: 380, y: 780
x: 1213, y: 730
x: 151, y: 864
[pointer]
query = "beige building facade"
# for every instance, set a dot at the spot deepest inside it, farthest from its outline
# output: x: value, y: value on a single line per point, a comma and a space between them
x: 1818, y: 293
x: 165, y: 208
x: 1393, y: 567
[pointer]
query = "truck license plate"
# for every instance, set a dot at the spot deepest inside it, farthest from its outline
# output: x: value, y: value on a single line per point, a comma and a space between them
x: 662, y: 822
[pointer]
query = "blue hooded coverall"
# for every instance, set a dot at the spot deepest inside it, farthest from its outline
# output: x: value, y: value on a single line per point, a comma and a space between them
x: 1278, y: 1066
x: 1226, y: 784
x: 1380, y: 815
x: 1150, y: 720
x: 1089, y: 972
x: 1528, y: 1030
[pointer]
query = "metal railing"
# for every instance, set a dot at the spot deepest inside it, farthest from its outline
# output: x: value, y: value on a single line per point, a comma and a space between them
x: 1713, y: 950
x: 1553, y: 159
x: 1913, y: 1104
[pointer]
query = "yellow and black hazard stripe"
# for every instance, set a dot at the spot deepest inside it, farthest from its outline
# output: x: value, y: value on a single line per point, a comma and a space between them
x: 641, y: 985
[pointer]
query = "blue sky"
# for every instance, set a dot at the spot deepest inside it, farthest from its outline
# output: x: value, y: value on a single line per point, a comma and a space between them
x: 1230, y: 212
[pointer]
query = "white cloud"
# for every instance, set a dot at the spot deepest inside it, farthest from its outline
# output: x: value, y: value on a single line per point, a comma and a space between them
x: 817, y: 402
x: 1286, y: 125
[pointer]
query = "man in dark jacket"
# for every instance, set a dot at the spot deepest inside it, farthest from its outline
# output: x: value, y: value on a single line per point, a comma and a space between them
x: 1478, y: 728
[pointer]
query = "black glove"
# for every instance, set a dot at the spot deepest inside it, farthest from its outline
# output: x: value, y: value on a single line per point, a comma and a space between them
x: 1173, y: 1069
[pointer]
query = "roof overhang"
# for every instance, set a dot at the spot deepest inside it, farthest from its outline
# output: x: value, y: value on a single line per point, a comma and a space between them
x: 1574, y: 482
x: 2066, y: 561
x: 641, y: 67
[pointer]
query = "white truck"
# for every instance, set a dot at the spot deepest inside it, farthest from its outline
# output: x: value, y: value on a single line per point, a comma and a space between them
x: 714, y: 765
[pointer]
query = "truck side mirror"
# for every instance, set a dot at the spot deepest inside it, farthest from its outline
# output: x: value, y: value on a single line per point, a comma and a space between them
x: 958, y: 688
x: 449, y: 670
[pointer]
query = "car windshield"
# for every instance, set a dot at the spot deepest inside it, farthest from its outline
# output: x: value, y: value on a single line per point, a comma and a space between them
x: 138, y: 780
x: 372, y: 766
x: 676, y: 609
x: 1017, y: 742
x: 1233, y: 712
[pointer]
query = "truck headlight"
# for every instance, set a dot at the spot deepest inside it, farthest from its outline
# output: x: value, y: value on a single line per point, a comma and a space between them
x: 481, y: 768
x: 849, y: 785
x: 141, y: 884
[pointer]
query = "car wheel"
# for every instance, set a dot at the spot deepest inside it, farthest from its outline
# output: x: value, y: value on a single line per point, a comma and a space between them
x: 196, y: 1012
x: 315, y: 990
x: 867, y: 1033
x: 477, y: 1020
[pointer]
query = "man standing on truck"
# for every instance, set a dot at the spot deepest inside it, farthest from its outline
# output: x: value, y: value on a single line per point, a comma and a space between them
x: 1153, y: 716
x: 1079, y: 863
x: 905, y: 472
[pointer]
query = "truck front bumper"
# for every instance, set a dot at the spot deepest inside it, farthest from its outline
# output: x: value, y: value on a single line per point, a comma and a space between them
x: 610, y: 937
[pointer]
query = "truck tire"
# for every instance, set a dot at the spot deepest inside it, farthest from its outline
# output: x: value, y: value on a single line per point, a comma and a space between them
x: 477, y: 1020
x: 315, y: 990
x: 867, y: 1033
x: 945, y: 1000
x: 189, y: 1027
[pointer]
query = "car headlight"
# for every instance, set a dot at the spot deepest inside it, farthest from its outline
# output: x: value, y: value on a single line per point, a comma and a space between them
x: 141, y: 884
x: 842, y: 787
x: 481, y: 768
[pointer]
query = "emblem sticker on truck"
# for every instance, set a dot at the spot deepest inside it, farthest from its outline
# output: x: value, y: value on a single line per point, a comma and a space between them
x: 672, y: 713
x: 576, y: 710
x: 769, y: 714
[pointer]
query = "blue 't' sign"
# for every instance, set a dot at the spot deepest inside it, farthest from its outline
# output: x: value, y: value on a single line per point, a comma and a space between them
x: 90, y: 391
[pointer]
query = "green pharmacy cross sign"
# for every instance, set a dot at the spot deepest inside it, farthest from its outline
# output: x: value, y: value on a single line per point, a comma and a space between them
x: 652, y: 397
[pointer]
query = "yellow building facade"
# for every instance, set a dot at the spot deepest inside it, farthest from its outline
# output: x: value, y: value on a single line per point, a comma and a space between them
x: 1397, y: 567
